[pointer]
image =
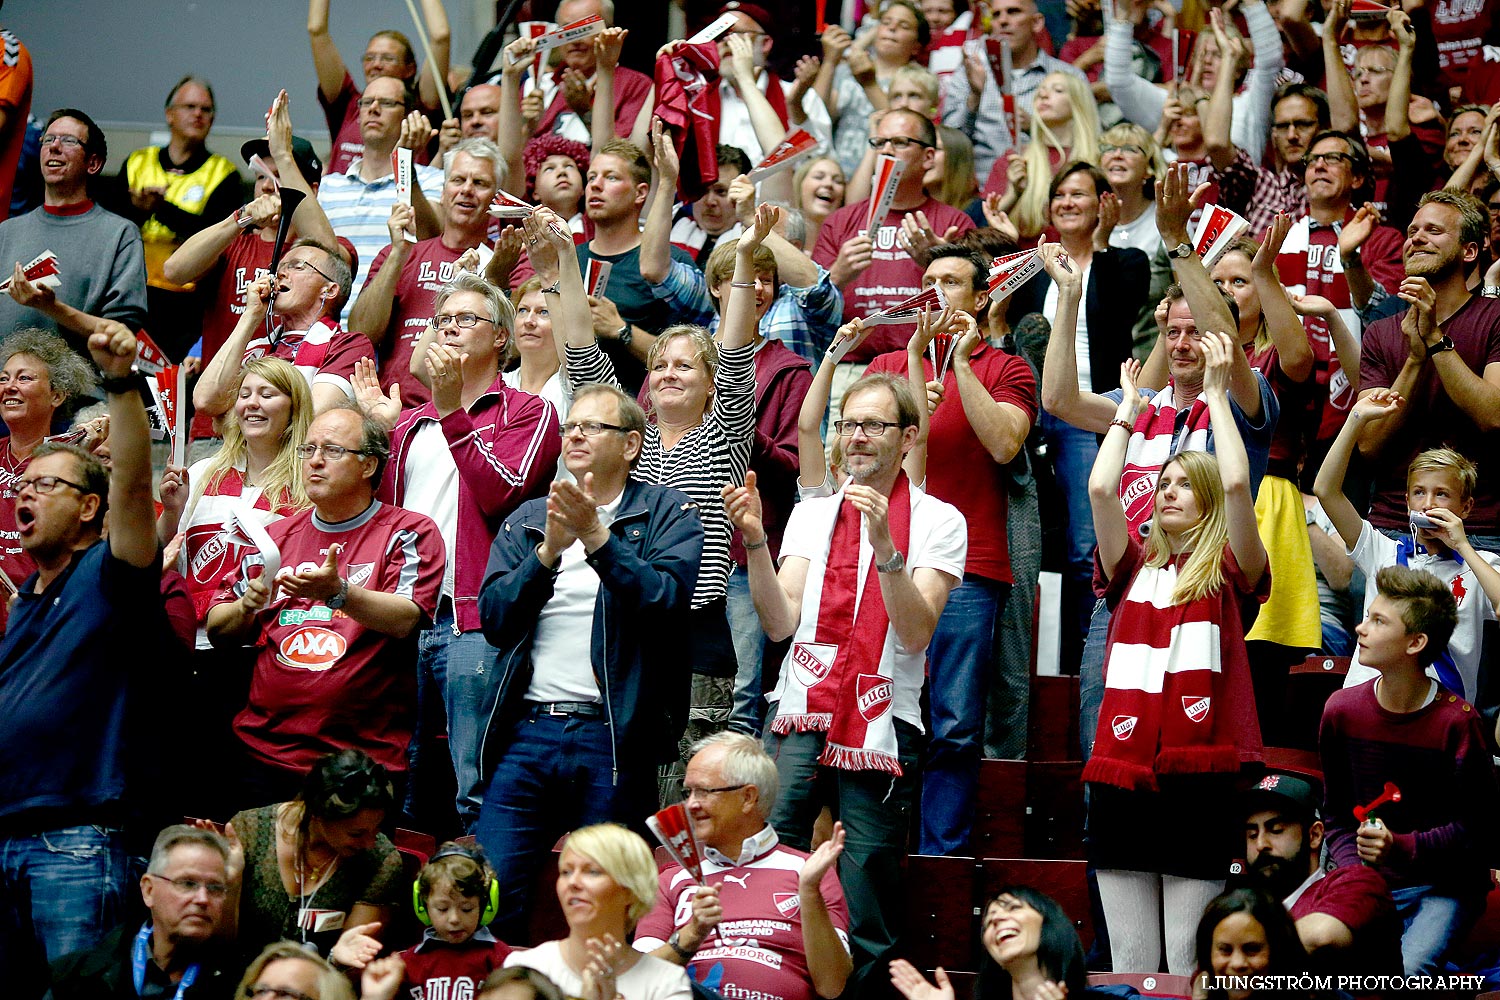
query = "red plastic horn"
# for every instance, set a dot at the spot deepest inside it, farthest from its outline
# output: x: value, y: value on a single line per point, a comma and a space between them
x: 1389, y: 794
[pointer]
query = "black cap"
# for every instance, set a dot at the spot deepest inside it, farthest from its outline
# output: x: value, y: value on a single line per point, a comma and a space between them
x: 302, y: 152
x: 1279, y: 790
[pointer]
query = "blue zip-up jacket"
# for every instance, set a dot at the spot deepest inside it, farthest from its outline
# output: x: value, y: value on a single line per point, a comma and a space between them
x: 647, y: 571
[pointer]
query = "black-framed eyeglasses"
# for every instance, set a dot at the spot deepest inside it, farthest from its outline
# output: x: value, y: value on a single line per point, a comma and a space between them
x: 1299, y: 125
x: 1327, y: 158
x: 288, y: 266
x: 1106, y: 150
x: 42, y: 485
x: 871, y: 428
x: 331, y: 452
x: 380, y: 103
x: 589, y: 428
x: 259, y: 992
x: 897, y: 142
x: 688, y: 793
x: 464, y: 321
x: 190, y: 886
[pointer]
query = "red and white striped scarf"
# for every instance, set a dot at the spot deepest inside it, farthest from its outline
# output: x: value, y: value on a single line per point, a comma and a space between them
x: 842, y: 682
x: 1151, y: 445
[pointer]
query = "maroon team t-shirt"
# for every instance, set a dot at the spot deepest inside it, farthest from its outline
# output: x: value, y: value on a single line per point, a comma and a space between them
x: 960, y: 469
x: 892, y: 275
x: 323, y: 682
x: 429, y: 267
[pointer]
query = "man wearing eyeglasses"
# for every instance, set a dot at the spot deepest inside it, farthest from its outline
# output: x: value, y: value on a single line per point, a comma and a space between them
x: 291, y: 315
x: 173, y: 953
x: 358, y: 201
x: 789, y: 901
x: 172, y: 192
x: 99, y: 255
x: 582, y: 592
x: 65, y: 687
x: 864, y: 577
x: 388, y: 53
x: 337, y: 627
x: 567, y: 92
x: 467, y: 459
x: 395, y: 306
x: 1338, y: 180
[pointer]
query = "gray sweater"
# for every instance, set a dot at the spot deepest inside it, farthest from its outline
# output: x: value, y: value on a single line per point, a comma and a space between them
x: 99, y: 254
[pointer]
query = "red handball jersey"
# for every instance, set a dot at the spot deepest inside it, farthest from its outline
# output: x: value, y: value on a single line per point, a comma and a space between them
x: 430, y: 266
x: 323, y: 682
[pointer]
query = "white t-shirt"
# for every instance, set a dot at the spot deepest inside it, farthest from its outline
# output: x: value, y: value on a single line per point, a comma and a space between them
x: 1374, y: 551
x: 651, y: 978
x: 562, y: 662
x: 1081, y: 335
x: 939, y: 539
x: 554, y: 391
x: 432, y: 487
x: 1140, y: 233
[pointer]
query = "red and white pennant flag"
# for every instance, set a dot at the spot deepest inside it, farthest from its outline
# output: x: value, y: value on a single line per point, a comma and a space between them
x: 1217, y: 228
x: 798, y: 145
x: 888, y: 172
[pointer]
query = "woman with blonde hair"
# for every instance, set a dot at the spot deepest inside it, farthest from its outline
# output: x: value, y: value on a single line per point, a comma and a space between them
x: 1064, y: 127
x: 819, y: 188
x: 1178, y: 720
x: 533, y: 360
x: 1131, y: 159
x: 951, y: 178
x: 606, y: 882
x: 285, y: 969
x: 257, y: 468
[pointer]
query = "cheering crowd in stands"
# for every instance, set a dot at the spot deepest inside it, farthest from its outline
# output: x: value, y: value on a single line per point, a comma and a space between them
x: 544, y: 462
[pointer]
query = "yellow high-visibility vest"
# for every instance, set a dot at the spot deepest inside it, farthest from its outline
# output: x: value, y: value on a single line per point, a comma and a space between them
x: 188, y: 191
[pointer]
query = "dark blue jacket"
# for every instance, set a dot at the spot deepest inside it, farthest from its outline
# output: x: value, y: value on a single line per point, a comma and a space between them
x: 647, y: 571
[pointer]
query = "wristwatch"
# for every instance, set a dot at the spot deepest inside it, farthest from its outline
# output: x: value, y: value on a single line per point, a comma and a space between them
x: 675, y: 941
x: 1445, y: 344
x: 337, y: 600
x: 1181, y: 251
x: 625, y: 334
x: 896, y: 564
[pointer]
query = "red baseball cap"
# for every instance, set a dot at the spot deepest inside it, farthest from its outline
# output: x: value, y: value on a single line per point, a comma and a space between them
x: 754, y: 12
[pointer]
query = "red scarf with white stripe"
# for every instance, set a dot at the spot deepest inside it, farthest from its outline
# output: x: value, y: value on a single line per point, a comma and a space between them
x: 852, y: 696
x: 1150, y: 446
x: 1172, y: 704
x: 208, y: 544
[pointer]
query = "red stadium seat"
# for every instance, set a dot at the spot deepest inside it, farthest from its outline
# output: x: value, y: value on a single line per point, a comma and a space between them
x: 999, y: 829
x: 1304, y: 763
x: 1053, y: 719
x: 1054, y: 810
x: 415, y: 843
x: 940, y: 924
x: 1308, y: 686
x: 1064, y: 881
x: 1148, y: 984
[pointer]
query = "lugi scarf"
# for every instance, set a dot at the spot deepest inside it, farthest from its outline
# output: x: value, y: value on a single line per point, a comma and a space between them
x: 1177, y: 697
x: 1151, y: 444
x: 208, y: 554
x: 841, y: 682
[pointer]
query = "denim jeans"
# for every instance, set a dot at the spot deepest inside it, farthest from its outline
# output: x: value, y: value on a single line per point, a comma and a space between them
x: 1073, y: 452
x: 1430, y: 923
x: 875, y: 808
x: 459, y: 670
x: 958, y: 664
x: 749, y: 712
x: 556, y: 775
x: 1091, y: 677
x: 60, y: 892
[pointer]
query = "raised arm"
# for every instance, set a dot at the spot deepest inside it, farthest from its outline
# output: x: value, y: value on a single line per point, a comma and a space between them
x: 777, y: 597
x: 1000, y: 427
x: 214, y: 392
x: 132, y: 508
x: 1219, y: 116
x: 1376, y: 406
x: 1061, y: 396
x: 514, y: 127
x: 435, y: 76
x: 812, y: 460
x: 371, y: 314
x: 835, y: 42
x: 1293, y: 352
x: 1343, y: 109
x: 737, y: 326
x: 1138, y: 100
x: 1219, y: 351
x: 656, y: 234
x: 309, y: 220
x: 1110, y: 525
x: 1463, y: 176
x: 793, y: 267
x: 1398, y: 100
x: 607, y: 58
x: 742, y: 74
x: 327, y: 62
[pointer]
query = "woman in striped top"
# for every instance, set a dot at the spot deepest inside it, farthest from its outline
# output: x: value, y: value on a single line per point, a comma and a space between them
x: 702, y: 398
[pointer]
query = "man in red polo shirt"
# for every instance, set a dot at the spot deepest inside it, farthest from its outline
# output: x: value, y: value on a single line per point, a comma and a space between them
x: 395, y: 306
x: 988, y: 405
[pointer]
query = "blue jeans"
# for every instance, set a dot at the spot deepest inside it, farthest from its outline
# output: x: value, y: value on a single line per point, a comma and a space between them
x: 1073, y: 452
x: 875, y: 808
x: 1430, y: 923
x: 1091, y: 677
x: 748, y: 714
x: 555, y: 776
x: 457, y: 669
x: 60, y: 892
x: 958, y: 663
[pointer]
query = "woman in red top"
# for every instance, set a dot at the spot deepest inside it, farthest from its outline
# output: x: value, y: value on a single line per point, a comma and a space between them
x: 1178, y: 719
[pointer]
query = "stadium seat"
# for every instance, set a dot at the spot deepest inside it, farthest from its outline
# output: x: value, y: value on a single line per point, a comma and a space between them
x: 1000, y: 819
x: 1054, y: 811
x: 1053, y: 719
x: 940, y: 911
x: 1304, y: 763
x: 416, y: 844
x: 1148, y: 984
x: 1064, y: 881
x: 1308, y: 686
x: 547, y: 921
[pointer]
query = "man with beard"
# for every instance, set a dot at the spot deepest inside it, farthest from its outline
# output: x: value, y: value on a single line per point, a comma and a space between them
x: 865, y: 575
x: 1443, y: 360
x: 1344, y: 916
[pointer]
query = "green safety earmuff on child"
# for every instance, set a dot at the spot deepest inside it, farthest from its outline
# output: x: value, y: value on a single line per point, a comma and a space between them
x: 490, y: 894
